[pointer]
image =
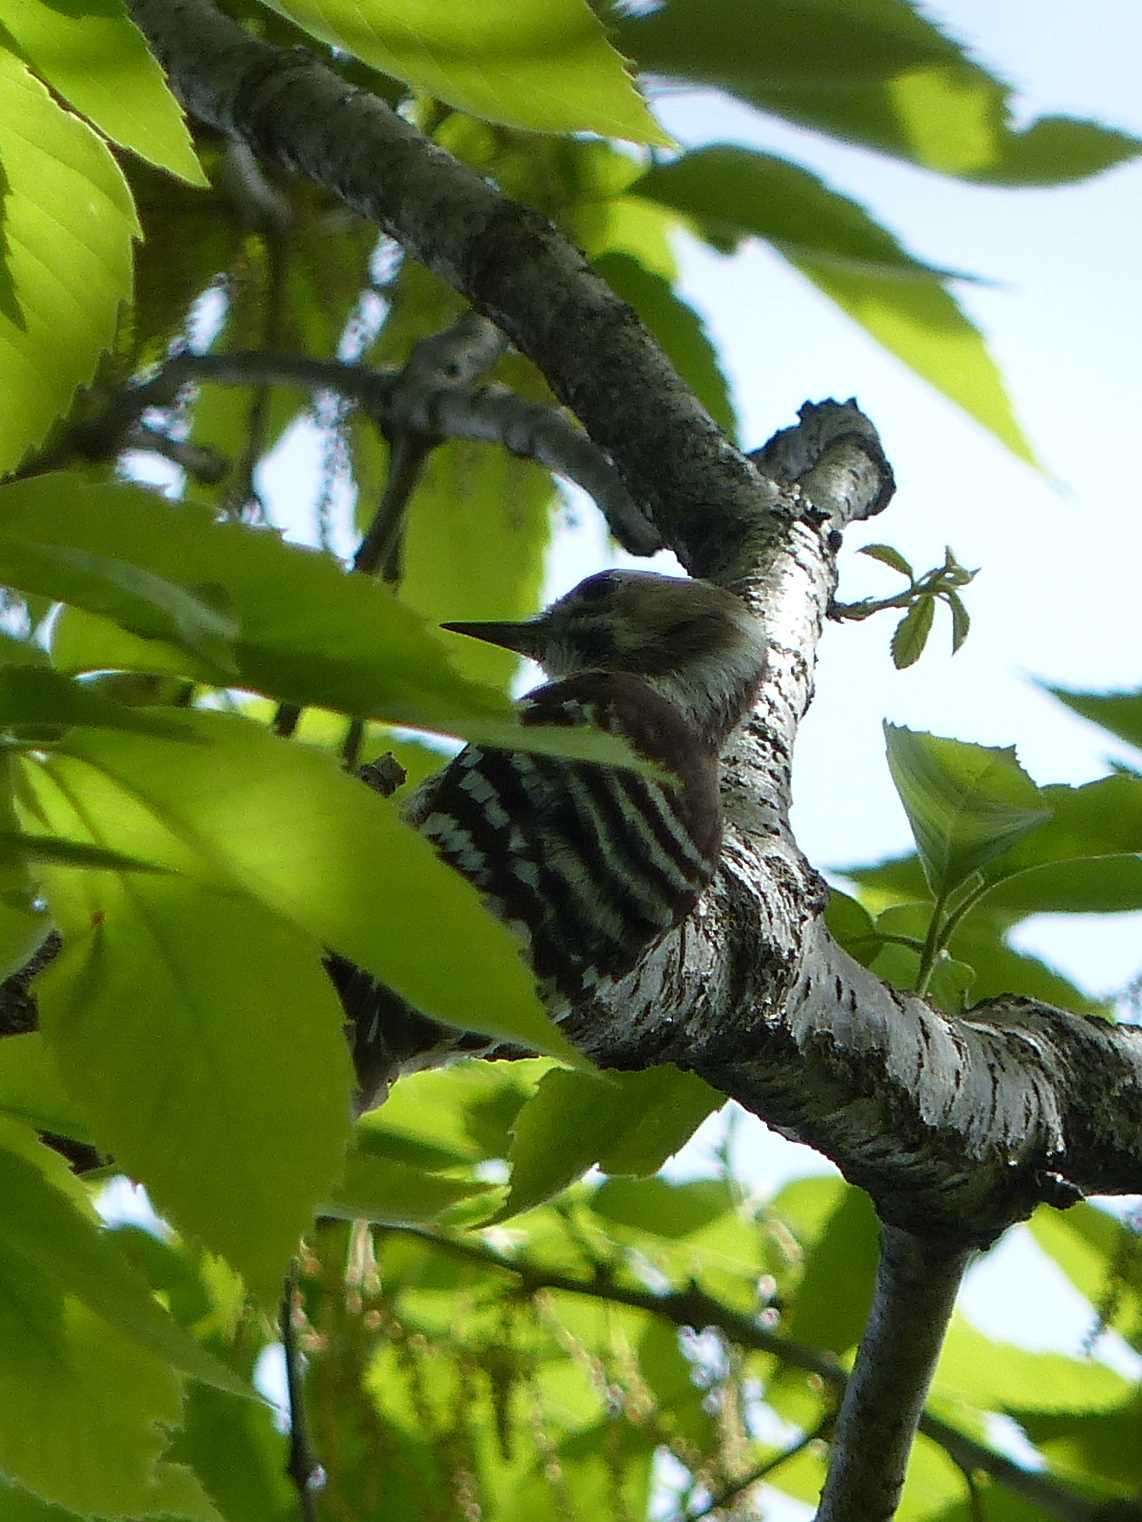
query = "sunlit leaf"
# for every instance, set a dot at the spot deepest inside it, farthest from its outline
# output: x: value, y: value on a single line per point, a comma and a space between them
x: 730, y: 193
x: 201, y: 1040
x: 31, y: 1091
x: 283, y: 823
x: 308, y: 632
x: 66, y: 257
x: 94, y: 1407
x: 91, y: 55
x: 541, y: 64
x: 625, y: 1122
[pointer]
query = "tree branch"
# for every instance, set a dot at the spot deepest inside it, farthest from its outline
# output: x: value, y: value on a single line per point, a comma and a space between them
x: 424, y: 400
x: 703, y: 495
x: 915, y: 1293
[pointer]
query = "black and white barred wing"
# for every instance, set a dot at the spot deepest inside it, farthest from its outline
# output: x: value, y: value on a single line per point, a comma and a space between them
x: 588, y: 864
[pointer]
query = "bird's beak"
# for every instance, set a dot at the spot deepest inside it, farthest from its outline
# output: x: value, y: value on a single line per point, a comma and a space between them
x: 526, y: 638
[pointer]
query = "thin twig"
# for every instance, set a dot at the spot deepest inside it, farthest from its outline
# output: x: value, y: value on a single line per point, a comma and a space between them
x: 379, y: 550
x: 734, y: 1489
x: 302, y: 1468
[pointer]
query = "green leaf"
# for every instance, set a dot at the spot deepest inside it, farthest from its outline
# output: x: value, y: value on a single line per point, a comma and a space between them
x: 888, y: 556
x: 1086, y: 859
x: 625, y: 1122
x: 850, y: 924
x: 20, y: 652
x: 966, y: 804
x: 143, y: 603
x: 93, y: 1406
x: 994, y: 1376
x: 31, y: 1091
x: 379, y: 1188
x: 50, y: 1222
x: 868, y: 71
x: 309, y: 632
x: 1000, y: 969
x: 1119, y: 712
x: 92, y: 56
x: 237, y: 1452
x: 281, y: 822
x: 734, y: 193
x: 731, y: 193
x: 699, y: 1224
x: 540, y: 64
x: 1100, y: 1256
x: 461, y: 1114
x: 68, y: 225
x: 201, y: 1040
x: 24, y: 922
x: 678, y: 329
x: 912, y: 633
x: 33, y: 697
x: 16, y: 846
x: 835, y: 1292
x: 961, y: 622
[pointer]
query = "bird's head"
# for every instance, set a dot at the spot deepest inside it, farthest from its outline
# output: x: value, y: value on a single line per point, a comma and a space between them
x: 695, y: 643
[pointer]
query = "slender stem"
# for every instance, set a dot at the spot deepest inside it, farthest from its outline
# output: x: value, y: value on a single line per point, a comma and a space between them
x: 774, y: 1462
x: 302, y: 1468
x: 285, y: 719
x: 351, y: 744
x: 379, y: 550
x: 932, y: 946
x: 962, y: 909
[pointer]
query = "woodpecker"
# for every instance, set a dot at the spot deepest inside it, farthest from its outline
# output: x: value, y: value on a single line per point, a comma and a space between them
x: 590, y: 865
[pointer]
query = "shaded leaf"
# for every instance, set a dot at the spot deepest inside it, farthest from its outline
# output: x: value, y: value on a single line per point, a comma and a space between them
x: 875, y: 72
x: 93, y: 1407
x: 835, y: 1292
x: 143, y: 603
x: 851, y: 924
x: 51, y: 1224
x: 731, y: 193
x: 1119, y: 712
x: 33, y: 697
x: 966, y: 804
x: 677, y: 328
x: 961, y: 622
x: 889, y: 556
x: 376, y: 1187
x: 912, y: 632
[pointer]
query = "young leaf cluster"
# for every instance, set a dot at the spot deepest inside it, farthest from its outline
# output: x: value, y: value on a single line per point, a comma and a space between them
x: 919, y: 599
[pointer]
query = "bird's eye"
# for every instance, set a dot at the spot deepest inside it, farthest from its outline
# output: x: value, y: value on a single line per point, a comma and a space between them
x: 595, y: 588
